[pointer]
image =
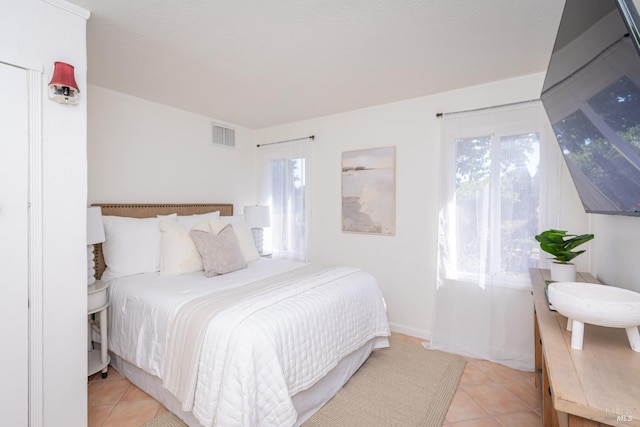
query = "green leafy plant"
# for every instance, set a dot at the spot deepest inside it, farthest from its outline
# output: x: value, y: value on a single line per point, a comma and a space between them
x: 561, y: 245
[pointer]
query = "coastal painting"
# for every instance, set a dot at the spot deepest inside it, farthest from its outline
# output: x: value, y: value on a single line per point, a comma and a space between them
x: 368, y: 191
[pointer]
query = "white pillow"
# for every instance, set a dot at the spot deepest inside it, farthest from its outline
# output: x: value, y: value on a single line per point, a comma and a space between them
x: 221, y: 253
x: 190, y: 221
x: 132, y: 246
x: 178, y: 253
x: 242, y: 231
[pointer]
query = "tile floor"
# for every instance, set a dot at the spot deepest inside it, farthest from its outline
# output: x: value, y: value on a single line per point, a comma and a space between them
x: 492, y: 395
x: 115, y: 402
x: 489, y: 395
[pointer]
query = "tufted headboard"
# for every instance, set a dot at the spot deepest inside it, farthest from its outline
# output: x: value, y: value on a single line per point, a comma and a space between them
x: 149, y: 210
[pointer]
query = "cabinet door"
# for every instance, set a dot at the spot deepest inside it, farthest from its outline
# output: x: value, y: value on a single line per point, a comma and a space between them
x: 14, y: 188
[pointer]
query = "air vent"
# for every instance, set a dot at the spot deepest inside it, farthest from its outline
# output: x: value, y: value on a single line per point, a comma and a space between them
x: 224, y: 136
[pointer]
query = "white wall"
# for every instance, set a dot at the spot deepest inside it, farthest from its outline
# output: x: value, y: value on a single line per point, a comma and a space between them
x: 616, y: 250
x: 140, y: 151
x: 39, y: 33
x: 405, y: 264
x: 145, y: 152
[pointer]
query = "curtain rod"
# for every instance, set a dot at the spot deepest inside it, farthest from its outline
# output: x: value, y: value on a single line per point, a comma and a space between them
x: 440, y: 115
x: 312, y: 137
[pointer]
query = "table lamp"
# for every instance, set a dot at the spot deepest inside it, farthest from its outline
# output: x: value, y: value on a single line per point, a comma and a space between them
x: 257, y: 217
x: 95, y: 234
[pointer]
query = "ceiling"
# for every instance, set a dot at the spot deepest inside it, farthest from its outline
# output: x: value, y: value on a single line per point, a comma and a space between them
x: 259, y: 63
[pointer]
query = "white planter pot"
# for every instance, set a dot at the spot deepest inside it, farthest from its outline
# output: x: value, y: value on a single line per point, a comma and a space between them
x: 563, y: 272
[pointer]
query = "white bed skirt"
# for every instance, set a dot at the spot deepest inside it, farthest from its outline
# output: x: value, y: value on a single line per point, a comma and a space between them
x: 306, y: 402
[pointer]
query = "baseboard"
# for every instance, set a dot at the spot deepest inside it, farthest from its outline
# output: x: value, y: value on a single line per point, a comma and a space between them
x: 413, y: 332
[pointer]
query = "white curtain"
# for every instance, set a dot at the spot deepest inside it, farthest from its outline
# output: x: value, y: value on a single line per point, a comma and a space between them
x: 285, y: 188
x: 499, y: 167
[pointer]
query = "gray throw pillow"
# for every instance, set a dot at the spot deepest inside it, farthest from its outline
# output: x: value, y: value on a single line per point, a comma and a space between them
x: 221, y: 253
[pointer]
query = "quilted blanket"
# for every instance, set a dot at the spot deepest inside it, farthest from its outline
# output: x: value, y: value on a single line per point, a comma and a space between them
x: 235, y: 359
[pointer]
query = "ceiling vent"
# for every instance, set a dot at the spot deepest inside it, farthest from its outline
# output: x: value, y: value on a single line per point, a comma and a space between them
x: 224, y: 136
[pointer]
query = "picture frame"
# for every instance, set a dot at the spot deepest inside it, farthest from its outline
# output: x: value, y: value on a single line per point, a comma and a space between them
x: 368, y: 191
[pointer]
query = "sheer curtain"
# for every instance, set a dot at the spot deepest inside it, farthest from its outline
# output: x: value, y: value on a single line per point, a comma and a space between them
x: 284, y: 186
x: 499, y: 167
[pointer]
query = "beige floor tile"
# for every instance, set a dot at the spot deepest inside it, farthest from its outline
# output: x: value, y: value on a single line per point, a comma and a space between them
x: 97, y: 414
x: 525, y: 389
x: 501, y: 373
x: 474, y: 374
x: 106, y: 392
x: 133, y: 393
x: 480, y: 422
x: 463, y: 407
x: 132, y: 414
x: 520, y: 419
x: 495, y: 398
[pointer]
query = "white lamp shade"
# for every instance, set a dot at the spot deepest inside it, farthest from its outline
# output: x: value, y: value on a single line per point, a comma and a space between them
x: 257, y: 216
x: 95, y: 228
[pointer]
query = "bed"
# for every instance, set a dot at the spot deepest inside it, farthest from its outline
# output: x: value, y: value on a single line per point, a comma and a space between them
x: 221, y: 336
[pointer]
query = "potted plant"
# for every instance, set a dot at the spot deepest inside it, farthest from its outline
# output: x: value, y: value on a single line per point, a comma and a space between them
x: 561, y: 245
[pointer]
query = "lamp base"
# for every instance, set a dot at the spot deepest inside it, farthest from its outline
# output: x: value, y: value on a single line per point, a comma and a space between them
x: 91, y: 271
x: 258, y: 239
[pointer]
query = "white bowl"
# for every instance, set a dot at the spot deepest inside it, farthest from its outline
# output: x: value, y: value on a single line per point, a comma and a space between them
x: 595, y: 304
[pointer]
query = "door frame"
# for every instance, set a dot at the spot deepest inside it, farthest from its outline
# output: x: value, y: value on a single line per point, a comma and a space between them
x: 35, y: 292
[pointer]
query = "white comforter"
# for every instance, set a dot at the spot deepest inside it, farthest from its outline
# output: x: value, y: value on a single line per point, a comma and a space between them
x: 273, y: 353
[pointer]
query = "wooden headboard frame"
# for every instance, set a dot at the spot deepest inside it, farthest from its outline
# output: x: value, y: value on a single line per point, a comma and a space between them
x: 149, y: 210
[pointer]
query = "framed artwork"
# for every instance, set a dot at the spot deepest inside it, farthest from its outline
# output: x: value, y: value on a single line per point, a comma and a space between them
x: 368, y: 191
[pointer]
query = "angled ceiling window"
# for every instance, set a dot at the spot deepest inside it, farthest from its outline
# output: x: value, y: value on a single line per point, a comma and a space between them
x: 224, y: 136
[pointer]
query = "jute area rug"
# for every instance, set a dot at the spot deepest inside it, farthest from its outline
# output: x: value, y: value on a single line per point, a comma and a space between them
x: 403, y: 385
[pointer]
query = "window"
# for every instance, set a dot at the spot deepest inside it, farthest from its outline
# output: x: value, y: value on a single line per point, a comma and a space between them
x: 288, y: 201
x: 500, y: 172
x: 498, y: 178
x: 285, y: 188
x: 494, y: 197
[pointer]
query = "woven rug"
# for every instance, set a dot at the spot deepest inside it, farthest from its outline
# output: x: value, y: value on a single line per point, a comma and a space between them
x: 403, y: 385
x: 165, y: 420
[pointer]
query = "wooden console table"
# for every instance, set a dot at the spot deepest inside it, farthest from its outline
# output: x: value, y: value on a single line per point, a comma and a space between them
x: 599, y: 385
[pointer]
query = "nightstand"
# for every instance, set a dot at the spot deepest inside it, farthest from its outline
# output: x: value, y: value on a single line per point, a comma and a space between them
x: 97, y: 304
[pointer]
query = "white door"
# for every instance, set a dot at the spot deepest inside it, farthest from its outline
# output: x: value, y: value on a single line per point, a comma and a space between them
x: 14, y: 280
